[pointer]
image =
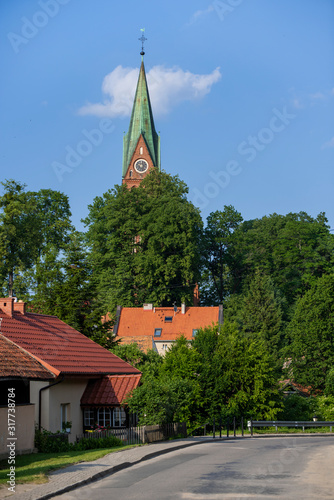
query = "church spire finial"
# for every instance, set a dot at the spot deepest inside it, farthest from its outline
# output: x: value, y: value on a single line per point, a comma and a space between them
x: 142, y: 39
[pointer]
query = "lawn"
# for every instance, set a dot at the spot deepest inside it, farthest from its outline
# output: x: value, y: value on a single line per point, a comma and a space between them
x: 35, y: 467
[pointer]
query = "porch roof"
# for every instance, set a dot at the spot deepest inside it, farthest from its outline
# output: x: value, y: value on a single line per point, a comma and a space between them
x: 110, y: 390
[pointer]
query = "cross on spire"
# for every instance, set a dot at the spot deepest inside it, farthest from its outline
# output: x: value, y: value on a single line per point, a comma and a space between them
x: 142, y: 39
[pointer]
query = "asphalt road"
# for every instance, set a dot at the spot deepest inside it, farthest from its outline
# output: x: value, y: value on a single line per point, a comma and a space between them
x: 261, y: 468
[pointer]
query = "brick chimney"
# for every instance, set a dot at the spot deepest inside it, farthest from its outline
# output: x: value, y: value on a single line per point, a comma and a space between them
x: 6, y: 305
x: 20, y: 307
x: 196, y: 299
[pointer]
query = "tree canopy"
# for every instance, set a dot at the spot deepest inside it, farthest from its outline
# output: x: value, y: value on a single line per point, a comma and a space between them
x: 31, y: 225
x: 311, y: 333
x: 144, y: 243
x: 218, y: 375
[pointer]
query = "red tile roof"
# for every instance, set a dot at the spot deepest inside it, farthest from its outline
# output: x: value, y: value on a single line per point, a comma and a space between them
x: 285, y: 384
x: 139, y: 322
x: 59, y: 347
x: 144, y: 343
x: 110, y: 390
x: 15, y: 362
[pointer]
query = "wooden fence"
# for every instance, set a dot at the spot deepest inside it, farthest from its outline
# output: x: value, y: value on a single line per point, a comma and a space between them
x: 142, y: 434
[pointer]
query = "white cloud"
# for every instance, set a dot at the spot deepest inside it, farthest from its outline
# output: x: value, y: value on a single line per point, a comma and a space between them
x: 317, y: 95
x: 199, y: 14
x: 167, y: 87
x: 329, y: 144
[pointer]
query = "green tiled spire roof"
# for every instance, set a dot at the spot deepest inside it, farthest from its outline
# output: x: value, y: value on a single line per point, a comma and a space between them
x: 141, y: 123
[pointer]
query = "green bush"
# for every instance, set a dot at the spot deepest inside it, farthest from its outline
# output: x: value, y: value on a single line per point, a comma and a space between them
x: 329, y: 387
x: 298, y: 408
x: 325, y: 408
x: 47, y: 442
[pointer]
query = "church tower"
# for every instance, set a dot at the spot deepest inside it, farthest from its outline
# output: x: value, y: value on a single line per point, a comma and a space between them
x: 141, y: 145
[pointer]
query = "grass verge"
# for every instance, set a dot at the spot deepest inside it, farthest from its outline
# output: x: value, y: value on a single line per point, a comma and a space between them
x: 35, y: 467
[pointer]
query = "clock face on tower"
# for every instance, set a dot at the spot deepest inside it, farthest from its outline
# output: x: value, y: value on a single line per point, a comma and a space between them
x: 141, y: 166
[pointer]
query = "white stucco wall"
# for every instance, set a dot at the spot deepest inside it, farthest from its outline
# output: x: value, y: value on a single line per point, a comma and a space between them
x: 69, y: 393
x: 24, y: 429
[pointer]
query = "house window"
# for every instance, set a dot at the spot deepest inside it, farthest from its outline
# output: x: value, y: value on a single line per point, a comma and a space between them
x: 168, y: 319
x: 194, y: 332
x: 104, y: 417
x: 64, y: 414
x: 119, y: 417
x: 88, y: 417
x: 157, y: 332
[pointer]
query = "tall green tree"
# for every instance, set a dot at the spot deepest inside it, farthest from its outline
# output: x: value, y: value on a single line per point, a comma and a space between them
x: 170, y: 391
x: 311, y: 333
x: 219, y: 256
x: 239, y: 380
x: 144, y: 243
x: 262, y: 314
x: 62, y: 286
x: 34, y: 226
x: 19, y: 235
x: 293, y: 249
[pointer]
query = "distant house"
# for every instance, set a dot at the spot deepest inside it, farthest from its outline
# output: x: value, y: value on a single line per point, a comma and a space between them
x: 158, y: 327
x: 63, y: 374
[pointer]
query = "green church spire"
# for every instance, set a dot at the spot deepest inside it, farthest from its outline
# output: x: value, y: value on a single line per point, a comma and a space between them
x: 141, y: 123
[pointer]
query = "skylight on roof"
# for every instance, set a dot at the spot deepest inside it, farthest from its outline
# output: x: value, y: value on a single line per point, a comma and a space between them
x: 168, y: 319
x: 157, y: 332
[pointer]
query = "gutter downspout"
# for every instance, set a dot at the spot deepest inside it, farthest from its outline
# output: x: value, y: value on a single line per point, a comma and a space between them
x: 220, y: 317
x: 40, y: 399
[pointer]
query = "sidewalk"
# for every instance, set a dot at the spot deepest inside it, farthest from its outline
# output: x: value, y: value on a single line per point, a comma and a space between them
x: 76, y: 475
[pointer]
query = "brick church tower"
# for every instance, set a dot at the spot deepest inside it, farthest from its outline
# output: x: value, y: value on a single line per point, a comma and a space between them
x: 141, y: 145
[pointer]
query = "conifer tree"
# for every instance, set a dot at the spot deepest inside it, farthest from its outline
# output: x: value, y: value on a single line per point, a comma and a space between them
x: 261, y: 313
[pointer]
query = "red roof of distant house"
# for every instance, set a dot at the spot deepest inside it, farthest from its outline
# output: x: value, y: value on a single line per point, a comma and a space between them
x: 16, y: 362
x: 140, y: 322
x: 144, y: 343
x: 57, y: 346
x: 300, y: 389
x: 110, y: 390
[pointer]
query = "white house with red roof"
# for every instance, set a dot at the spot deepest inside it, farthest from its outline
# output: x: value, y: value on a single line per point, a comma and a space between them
x: 158, y: 327
x: 70, y: 377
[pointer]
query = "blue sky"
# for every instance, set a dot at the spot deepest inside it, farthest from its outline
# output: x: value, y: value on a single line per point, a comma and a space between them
x: 242, y: 94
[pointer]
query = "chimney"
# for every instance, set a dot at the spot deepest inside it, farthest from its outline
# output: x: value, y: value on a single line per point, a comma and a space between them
x: 183, y: 308
x: 20, y: 307
x: 196, y: 299
x: 6, y: 305
x: 148, y: 307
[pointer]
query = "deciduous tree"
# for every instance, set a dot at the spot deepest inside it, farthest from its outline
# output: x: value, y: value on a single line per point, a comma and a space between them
x: 311, y: 333
x: 144, y: 243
